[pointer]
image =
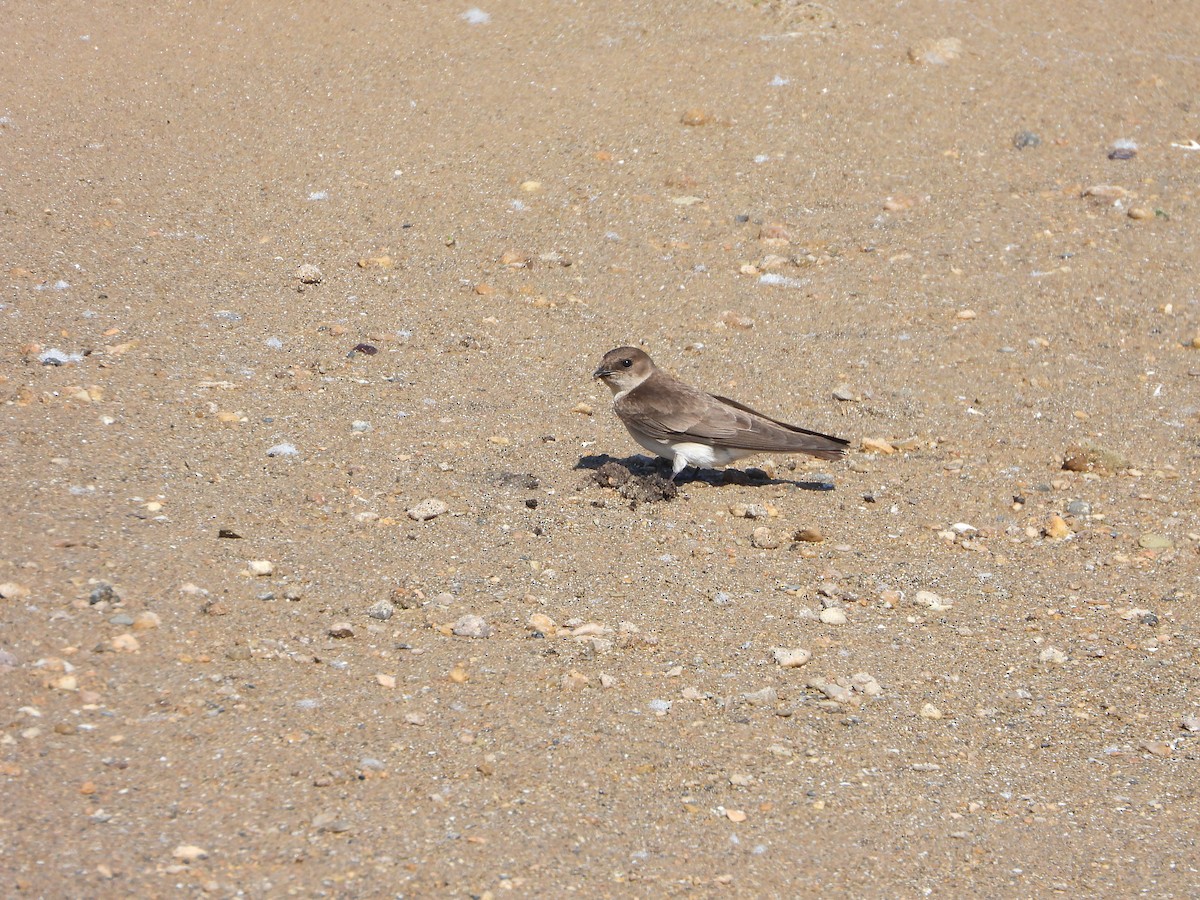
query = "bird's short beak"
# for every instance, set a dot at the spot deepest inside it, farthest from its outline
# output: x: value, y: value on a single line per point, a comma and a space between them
x: 601, y: 373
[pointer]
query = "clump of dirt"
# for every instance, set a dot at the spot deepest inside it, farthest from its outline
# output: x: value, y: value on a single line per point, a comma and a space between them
x: 648, y: 488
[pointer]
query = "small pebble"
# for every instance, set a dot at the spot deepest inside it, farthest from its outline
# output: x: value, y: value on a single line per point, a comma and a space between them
x: 472, y: 626
x: 382, y: 610
x: 790, y: 658
x: 282, y: 450
x: 1057, y: 528
x: 341, y: 630
x: 1150, y: 541
x: 764, y: 697
x: 844, y: 393
x: 933, y: 601
x: 260, y: 567
x: 1191, y: 723
x: 358, y: 426
x: 660, y: 706
x: 748, y: 511
x: 833, y: 615
x: 427, y: 509
x: 1023, y: 140
x: 929, y: 711
x: 763, y: 539
x: 189, y: 853
x: 809, y: 535
x: 877, y: 445
x: 1079, y: 508
x: 11, y: 590
x: 126, y: 643
x: 1052, y: 656
x: 146, y: 621
x: 309, y: 274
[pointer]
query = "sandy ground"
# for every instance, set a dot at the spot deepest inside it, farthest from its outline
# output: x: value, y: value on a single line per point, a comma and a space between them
x: 549, y: 688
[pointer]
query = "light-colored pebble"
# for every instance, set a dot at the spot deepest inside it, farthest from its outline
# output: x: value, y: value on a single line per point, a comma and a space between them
x: 309, y: 274
x: 1191, y: 723
x: 933, y: 601
x: 146, y: 621
x: 126, y: 643
x: 189, y: 853
x: 260, y: 567
x: 809, y: 536
x: 929, y: 711
x: 427, y: 509
x: 1052, y: 656
x: 1150, y: 541
x: 11, y: 590
x: 833, y: 615
x: 790, y: 658
x: 748, y: 511
x: 763, y: 697
x: 472, y: 626
x: 763, y: 539
x: 382, y: 610
x: 341, y: 630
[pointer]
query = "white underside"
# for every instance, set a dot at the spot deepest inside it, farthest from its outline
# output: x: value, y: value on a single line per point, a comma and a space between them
x: 686, y: 453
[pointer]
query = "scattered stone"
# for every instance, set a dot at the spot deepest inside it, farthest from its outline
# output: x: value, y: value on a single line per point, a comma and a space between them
x: 283, y: 450
x: 844, y: 393
x: 472, y: 626
x: 573, y: 682
x: 1091, y: 457
x: 748, y: 511
x: 1057, y: 528
x: 790, y: 658
x: 735, y: 815
x: 1141, y: 213
x: 584, y: 409
x: 865, y: 683
x: 1052, y: 656
x: 809, y: 536
x: 933, y: 601
x: 189, y: 853
x: 125, y: 643
x: 1109, y: 193
x: 1123, y: 149
x: 660, y: 707
x: 146, y: 621
x: 341, y: 630
x: 1151, y: 541
x: 542, y: 624
x: 1156, y: 748
x: 1191, y: 723
x: 877, y: 445
x: 381, y: 610
x: 695, y: 117
x: 427, y: 509
x: 722, y: 598
x: 11, y: 590
x: 260, y: 567
x: 940, y: 52
x: 309, y: 274
x: 763, y: 539
x: 833, y: 615
x: 929, y: 711
x: 1024, y: 140
x: 1080, y: 508
x: 103, y: 593
x: 384, y: 680
x: 764, y: 697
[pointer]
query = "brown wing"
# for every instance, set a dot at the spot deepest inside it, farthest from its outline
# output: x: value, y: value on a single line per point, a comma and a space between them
x: 666, y: 409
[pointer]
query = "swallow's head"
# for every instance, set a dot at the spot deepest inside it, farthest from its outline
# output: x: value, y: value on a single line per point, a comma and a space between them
x: 624, y: 369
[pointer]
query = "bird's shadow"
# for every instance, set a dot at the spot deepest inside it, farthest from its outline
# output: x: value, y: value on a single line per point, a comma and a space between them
x: 642, y: 467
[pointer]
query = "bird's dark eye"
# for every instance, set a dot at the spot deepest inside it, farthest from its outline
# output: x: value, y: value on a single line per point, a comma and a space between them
x: 627, y: 363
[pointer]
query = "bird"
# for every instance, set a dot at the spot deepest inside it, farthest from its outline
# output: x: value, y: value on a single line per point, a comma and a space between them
x: 690, y: 427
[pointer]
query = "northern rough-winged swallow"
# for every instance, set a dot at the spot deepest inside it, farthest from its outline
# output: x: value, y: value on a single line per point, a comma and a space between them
x: 691, y: 428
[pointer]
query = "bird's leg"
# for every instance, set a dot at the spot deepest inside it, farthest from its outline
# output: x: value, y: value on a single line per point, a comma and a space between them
x: 678, y: 466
